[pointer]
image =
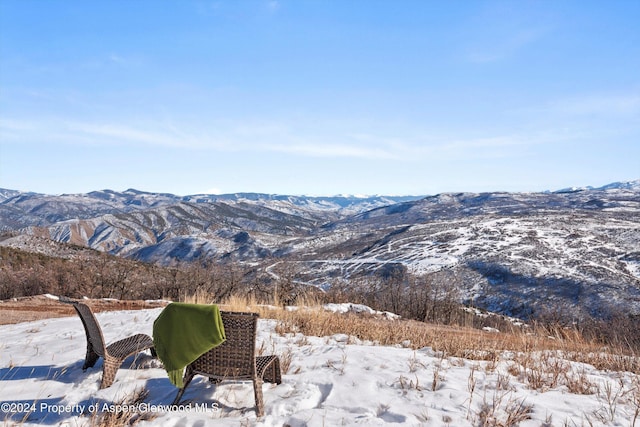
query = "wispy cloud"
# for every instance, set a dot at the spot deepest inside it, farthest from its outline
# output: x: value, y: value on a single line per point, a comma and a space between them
x: 484, y: 143
x: 13, y: 125
x: 117, y: 59
x: 258, y: 136
x: 497, y: 49
x: 332, y: 150
x: 502, y: 29
x: 250, y: 136
x: 604, y: 104
x: 111, y: 60
x: 273, y: 5
x: 404, y: 142
x: 119, y: 133
x: 52, y: 130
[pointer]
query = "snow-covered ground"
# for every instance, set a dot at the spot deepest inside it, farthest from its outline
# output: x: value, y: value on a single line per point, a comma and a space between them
x: 331, y: 381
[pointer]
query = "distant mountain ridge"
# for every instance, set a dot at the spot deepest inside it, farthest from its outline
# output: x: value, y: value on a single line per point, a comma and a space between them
x: 146, y: 225
x: 53, y: 208
x: 514, y: 253
x: 624, y: 185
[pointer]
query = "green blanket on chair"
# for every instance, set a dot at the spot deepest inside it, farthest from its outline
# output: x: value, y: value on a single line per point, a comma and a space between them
x: 183, y: 332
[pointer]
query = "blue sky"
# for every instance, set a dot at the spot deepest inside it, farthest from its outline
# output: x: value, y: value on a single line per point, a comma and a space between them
x: 318, y: 97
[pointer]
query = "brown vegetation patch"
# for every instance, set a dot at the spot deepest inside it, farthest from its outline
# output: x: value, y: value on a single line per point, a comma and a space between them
x: 27, y: 309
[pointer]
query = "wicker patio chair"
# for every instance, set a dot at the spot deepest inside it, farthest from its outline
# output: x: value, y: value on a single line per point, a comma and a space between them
x: 114, y: 354
x: 235, y: 359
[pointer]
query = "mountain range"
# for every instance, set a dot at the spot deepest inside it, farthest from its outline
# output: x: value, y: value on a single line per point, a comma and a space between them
x: 575, y: 249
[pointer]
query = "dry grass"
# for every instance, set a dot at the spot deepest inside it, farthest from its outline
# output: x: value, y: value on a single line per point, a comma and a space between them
x: 502, y: 410
x: 547, y: 370
x: 119, y: 418
x: 449, y: 341
x: 27, y: 309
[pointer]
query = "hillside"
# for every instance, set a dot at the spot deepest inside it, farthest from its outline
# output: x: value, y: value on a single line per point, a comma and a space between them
x: 522, y: 254
x: 165, y: 228
x: 515, y: 253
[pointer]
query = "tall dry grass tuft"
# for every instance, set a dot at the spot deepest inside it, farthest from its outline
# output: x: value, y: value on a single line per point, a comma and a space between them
x: 503, y: 410
x: 123, y: 418
x: 248, y: 303
x: 200, y: 296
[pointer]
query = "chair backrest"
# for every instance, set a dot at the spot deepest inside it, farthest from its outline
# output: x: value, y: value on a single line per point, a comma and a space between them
x: 91, y: 328
x: 236, y: 357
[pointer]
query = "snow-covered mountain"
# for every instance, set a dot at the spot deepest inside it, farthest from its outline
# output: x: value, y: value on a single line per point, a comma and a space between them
x: 514, y: 253
x: 627, y: 185
x: 163, y: 228
x: 34, y: 209
x: 574, y: 249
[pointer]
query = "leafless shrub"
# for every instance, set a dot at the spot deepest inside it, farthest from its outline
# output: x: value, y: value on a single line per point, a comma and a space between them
x: 409, y: 384
x: 423, y: 416
x: 611, y: 395
x: 286, y: 357
x: 503, y: 382
x: 471, y: 386
x: 437, y: 378
x: 503, y: 410
x: 415, y: 364
x: 579, y: 383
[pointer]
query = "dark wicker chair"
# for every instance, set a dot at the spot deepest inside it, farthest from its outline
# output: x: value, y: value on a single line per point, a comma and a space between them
x: 235, y: 359
x: 114, y: 354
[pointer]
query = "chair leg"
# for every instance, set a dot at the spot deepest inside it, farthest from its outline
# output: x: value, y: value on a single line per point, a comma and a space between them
x: 187, y: 379
x: 109, y: 369
x: 257, y: 391
x: 91, y: 358
x: 276, y: 375
x: 271, y: 373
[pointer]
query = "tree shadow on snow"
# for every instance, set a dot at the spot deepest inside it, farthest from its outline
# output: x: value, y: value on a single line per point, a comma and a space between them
x: 525, y: 296
x: 68, y: 374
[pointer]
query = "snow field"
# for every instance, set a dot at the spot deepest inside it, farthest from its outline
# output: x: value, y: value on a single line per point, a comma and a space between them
x: 336, y: 380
